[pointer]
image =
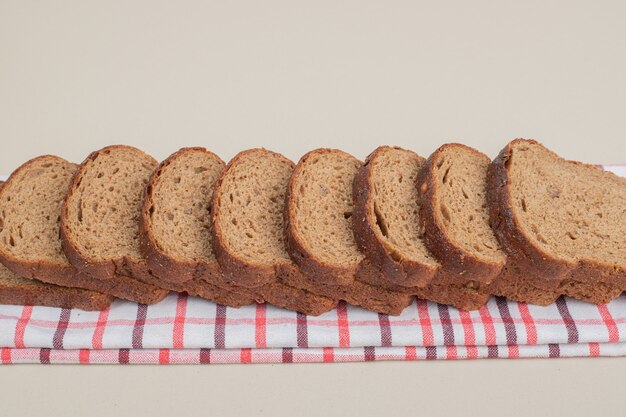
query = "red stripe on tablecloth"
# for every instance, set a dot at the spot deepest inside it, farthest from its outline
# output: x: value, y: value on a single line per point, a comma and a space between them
x: 570, y: 324
x: 469, y: 334
x: 329, y: 354
x: 64, y: 318
x: 369, y: 353
x: 164, y: 356
x: 385, y: 330
x: 220, y: 326
x: 410, y: 353
x: 142, y: 311
x: 287, y: 355
x: 260, y: 328
x: 5, y: 356
x: 607, y: 318
x: 20, y: 326
x: 179, y: 321
x: 594, y: 349
x: 529, y: 324
x: 123, y: 356
x: 205, y: 355
x: 302, y: 331
x: 427, y: 328
x: 509, y: 327
x: 343, y: 325
x: 98, y: 333
x: 490, y: 331
x: 83, y: 356
x: 246, y: 355
x: 554, y: 350
x: 44, y: 356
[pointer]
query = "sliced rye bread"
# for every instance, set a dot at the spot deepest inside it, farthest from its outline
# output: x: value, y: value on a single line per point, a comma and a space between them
x: 455, y: 221
x: 386, y: 217
x: 387, y: 228
x: 248, y: 239
x: 29, y: 237
x: 24, y: 291
x: 175, y: 228
x: 561, y: 221
x: 318, y: 227
x: 100, y: 216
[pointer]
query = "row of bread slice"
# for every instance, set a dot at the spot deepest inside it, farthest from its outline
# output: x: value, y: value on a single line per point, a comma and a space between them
x: 453, y: 228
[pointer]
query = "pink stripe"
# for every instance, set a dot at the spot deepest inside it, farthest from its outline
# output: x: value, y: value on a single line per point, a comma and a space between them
x: 329, y: 354
x: 513, y: 351
x: 20, y: 327
x: 594, y: 349
x: 410, y: 353
x: 246, y: 356
x: 260, y: 326
x: 343, y: 325
x: 468, y: 328
x: 472, y: 352
x: 293, y: 320
x: 427, y: 329
x: 529, y: 324
x: 490, y: 329
x: 164, y: 356
x: 179, y: 322
x: 96, y: 340
x: 83, y: 356
x: 5, y: 355
x: 607, y: 318
x: 451, y: 352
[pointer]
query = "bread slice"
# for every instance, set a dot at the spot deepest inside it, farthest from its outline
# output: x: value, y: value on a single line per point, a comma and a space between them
x: 386, y: 225
x: 23, y: 291
x: 100, y: 216
x: 320, y: 239
x: 561, y: 221
x: 455, y: 221
x: 175, y: 227
x: 29, y: 237
x: 387, y: 228
x: 247, y: 219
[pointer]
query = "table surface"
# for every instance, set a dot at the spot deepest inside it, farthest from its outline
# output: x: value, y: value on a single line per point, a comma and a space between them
x: 293, y: 76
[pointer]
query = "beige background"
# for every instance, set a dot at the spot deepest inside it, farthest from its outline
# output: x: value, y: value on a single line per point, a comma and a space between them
x: 292, y: 76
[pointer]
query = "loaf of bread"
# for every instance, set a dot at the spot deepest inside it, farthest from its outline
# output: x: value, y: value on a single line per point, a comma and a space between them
x: 455, y: 228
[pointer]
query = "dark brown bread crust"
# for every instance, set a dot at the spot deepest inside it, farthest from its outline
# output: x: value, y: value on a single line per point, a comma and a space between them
x: 358, y: 293
x: 202, y: 279
x: 54, y: 296
x: 463, y: 266
x: 580, y: 280
x: 402, y: 272
x: 310, y: 265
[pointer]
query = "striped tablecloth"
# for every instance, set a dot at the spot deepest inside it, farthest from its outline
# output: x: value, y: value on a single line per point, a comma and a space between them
x: 183, y: 329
